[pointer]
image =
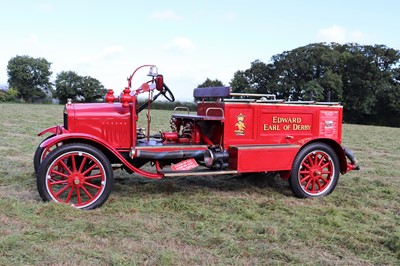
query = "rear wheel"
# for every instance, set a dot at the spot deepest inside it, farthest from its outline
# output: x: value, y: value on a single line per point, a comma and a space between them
x: 76, y: 174
x: 315, y: 171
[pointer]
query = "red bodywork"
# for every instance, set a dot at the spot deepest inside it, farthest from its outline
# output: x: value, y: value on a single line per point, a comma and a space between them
x: 229, y: 134
x: 259, y: 137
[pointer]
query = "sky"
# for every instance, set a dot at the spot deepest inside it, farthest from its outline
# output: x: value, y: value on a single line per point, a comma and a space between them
x: 189, y: 41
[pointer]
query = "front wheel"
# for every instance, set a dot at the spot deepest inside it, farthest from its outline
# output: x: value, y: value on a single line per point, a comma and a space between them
x: 76, y: 174
x: 315, y: 171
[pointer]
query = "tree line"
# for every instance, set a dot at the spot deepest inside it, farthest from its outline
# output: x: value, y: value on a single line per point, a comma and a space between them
x: 364, y: 78
x: 29, y: 79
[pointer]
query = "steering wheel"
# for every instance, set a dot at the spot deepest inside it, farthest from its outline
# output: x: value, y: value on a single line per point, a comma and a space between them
x: 166, y: 92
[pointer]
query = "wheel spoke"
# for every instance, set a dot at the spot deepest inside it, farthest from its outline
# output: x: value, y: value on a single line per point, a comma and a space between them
x: 325, y: 165
x: 310, y: 160
x: 315, y: 159
x: 65, y: 167
x: 324, y: 180
x: 321, y: 161
x: 87, y: 192
x: 306, y: 165
x: 73, y: 163
x: 92, y: 185
x: 89, y: 169
x: 78, y: 194
x: 69, y: 195
x: 59, y: 182
x: 318, y: 185
x: 93, y: 176
x: 82, y: 164
x: 61, y: 191
x: 313, y: 186
x: 305, y: 179
x: 60, y: 174
x: 308, y: 184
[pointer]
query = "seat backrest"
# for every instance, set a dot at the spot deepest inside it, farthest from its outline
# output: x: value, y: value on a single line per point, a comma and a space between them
x: 212, y: 92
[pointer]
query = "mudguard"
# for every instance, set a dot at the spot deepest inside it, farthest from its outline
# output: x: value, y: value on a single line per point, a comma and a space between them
x: 76, y: 137
x: 56, y: 130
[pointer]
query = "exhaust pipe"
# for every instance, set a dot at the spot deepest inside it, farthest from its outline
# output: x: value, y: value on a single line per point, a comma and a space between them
x: 352, y: 158
x: 167, y: 155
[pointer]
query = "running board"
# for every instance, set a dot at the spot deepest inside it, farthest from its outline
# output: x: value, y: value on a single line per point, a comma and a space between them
x: 198, y: 172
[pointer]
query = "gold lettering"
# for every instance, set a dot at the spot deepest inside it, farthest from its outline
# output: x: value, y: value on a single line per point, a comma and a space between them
x: 271, y: 127
x: 301, y: 127
x: 292, y: 120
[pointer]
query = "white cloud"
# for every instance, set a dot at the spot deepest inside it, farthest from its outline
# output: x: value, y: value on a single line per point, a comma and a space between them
x: 181, y: 45
x: 168, y: 15
x: 339, y: 35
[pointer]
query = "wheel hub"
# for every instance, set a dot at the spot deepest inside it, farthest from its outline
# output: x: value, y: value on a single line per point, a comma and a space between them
x: 316, y: 172
x: 76, y: 179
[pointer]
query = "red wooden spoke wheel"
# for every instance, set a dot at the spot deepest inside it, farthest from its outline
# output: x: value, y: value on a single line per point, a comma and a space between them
x: 76, y: 174
x: 315, y: 171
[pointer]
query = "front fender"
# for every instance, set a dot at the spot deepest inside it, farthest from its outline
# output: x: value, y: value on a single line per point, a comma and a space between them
x: 76, y: 137
x: 55, y: 130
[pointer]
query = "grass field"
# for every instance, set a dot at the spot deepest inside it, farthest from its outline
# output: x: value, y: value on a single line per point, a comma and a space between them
x: 221, y: 220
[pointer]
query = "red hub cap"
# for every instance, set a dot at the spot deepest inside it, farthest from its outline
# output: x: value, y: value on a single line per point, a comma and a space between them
x: 76, y: 178
x: 316, y: 173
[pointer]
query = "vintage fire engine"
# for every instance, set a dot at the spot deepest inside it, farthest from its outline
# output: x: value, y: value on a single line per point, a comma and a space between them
x: 231, y: 133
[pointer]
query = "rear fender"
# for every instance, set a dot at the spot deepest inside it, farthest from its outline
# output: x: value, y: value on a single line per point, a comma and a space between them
x: 78, y: 137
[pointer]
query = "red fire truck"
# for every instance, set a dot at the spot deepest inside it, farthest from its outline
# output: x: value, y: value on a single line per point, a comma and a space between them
x: 231, y: 133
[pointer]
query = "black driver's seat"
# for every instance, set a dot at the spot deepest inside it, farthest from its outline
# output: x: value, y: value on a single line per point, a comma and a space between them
x: 212, y: 92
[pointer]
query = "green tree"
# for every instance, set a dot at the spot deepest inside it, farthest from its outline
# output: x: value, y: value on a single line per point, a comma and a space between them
x: 210, y: 83
x: 240, y: 83
x: 365, y: 78
x: 29, y: 76
x: 369, y: 85
x: 91, y: 89
x: 312, y: 66
x: 256, y: 79
x: 69, y: 85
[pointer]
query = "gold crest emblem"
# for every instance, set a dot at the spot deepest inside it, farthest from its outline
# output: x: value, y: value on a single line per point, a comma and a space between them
x: 240, y: 125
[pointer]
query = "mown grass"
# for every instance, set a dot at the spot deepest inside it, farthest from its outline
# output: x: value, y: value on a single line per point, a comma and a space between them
x: 224, y: 220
